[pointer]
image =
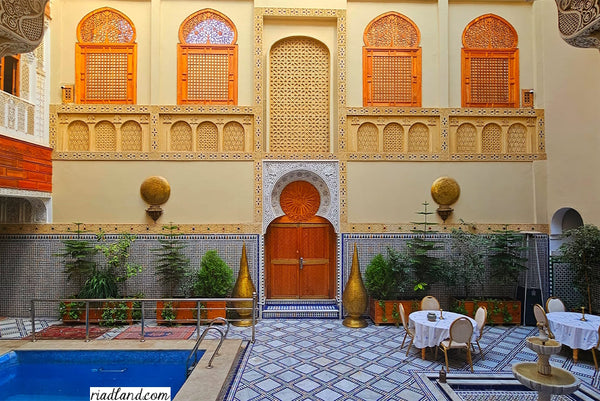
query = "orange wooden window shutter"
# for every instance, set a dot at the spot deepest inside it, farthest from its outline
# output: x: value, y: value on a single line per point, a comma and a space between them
x: 391, y: 77
x: 106, y: 73
x: 490, y: 78
x: 207, y: 74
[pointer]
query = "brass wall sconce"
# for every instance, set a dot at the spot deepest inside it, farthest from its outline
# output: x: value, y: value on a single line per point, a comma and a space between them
x: 155, y: 190
x: 445, y: 192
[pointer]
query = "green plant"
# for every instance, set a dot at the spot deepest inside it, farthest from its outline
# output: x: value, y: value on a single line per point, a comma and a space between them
x: 387, y: 277
x: 582, y: 252
x: 168, y: 313
x: 71, y: 310
x: 427, y: 267
x: 215, y: 278
x: 136, y: 308
x: 172, y: 265
x: 396, y: 314
x: 458, y: 307
x: 505, y: 258
x: 101, y: 284
x: 78, y: 255
x: 466, y: 264
x: 114, y: 314
x: 117, y: 256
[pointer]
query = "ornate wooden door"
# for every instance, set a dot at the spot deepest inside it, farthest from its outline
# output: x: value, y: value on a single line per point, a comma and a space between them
x: 300, y: 247
x: 299, y: 260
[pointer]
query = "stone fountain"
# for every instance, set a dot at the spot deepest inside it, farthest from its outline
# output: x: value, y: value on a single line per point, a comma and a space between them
x: 541, y: 376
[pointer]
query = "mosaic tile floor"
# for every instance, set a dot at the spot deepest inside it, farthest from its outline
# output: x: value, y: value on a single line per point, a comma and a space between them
x: 323, y: 360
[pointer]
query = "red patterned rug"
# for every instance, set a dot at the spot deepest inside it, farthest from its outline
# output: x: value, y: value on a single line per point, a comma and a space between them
x: 69, y: 332
x: 158, y: 333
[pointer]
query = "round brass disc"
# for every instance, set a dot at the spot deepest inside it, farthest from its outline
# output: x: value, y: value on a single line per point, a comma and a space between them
x: 155, y: 190
x: 445, y: 191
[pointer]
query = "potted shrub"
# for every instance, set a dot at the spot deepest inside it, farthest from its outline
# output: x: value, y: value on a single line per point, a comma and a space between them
x: 427, y: 268
x: 172, y: 267
x: 506, y: 264
x: 582, y: 252
x: 467, y: 269
x: 386, y: 278
x: 466, y: 263
x: 104, y: 283
x: 213, y: 280
x: 79, y: 263
x: 99, y: 281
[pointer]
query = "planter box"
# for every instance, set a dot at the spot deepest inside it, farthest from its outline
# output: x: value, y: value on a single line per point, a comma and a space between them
x: 99, y: 314
x: 213, y: 309
x: 387, y: 312
x: 184, y: 312
x: 72, y: 309
x: 499, y: 311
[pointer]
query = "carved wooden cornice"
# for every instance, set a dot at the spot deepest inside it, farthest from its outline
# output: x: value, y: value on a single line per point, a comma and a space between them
x: 579, y: 22
x: 21, y: 25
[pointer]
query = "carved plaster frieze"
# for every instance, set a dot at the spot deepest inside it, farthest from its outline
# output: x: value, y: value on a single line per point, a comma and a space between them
x: 21, y: 25
x: 324, y: 175
x: 579, y: 22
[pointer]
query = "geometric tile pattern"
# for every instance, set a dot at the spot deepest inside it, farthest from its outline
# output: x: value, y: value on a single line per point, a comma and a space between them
x: 324, y: 360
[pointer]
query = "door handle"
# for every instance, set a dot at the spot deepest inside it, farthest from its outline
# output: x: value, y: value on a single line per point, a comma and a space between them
x: 301, y: 263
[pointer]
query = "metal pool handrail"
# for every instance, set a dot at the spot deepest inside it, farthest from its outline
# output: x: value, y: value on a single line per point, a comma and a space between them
x: 222, y: 335
x: 143, y: 302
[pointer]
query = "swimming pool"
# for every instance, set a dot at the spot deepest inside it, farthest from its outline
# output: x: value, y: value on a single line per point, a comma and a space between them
x: 68, y: 375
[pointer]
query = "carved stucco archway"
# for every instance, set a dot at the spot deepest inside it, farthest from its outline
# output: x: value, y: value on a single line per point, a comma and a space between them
x: 324, y: 175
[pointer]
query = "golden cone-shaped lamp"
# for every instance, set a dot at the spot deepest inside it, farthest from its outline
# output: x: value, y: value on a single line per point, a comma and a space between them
x: 243, y: 288
x: 354, y: 297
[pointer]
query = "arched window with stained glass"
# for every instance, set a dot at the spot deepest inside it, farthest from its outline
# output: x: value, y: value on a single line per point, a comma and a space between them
x: 207, y: 59
x: 490, y: 63
x: 392, y: 62
x: 105, y: 58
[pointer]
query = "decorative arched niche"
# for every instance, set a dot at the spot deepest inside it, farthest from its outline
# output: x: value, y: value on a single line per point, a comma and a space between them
x: 323, y: 175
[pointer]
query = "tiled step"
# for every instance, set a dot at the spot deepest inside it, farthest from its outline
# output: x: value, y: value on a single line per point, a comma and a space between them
x: 295, y: 308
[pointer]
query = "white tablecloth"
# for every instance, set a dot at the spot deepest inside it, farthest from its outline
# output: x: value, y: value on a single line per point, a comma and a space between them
x: 430, y: 334
x: 570, y: 330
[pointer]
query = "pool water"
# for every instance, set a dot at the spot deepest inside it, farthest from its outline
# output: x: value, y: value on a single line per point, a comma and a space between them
x: 68, y: 375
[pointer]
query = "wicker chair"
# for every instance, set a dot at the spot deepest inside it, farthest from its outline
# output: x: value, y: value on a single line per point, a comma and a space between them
x: 430, y: 303
x: 461, y: 331
x: 554, y: 304
x: 480, y: 318
x: 407, y: 330
x: 542, y: 320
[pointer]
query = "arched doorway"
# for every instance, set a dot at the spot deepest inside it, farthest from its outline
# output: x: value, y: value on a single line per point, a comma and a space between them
x: 300, y: 248
x: 563, y: 220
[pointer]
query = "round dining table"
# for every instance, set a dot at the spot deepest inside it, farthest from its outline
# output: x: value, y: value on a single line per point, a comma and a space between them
x: 431, y: 333
x: 569, y: 329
